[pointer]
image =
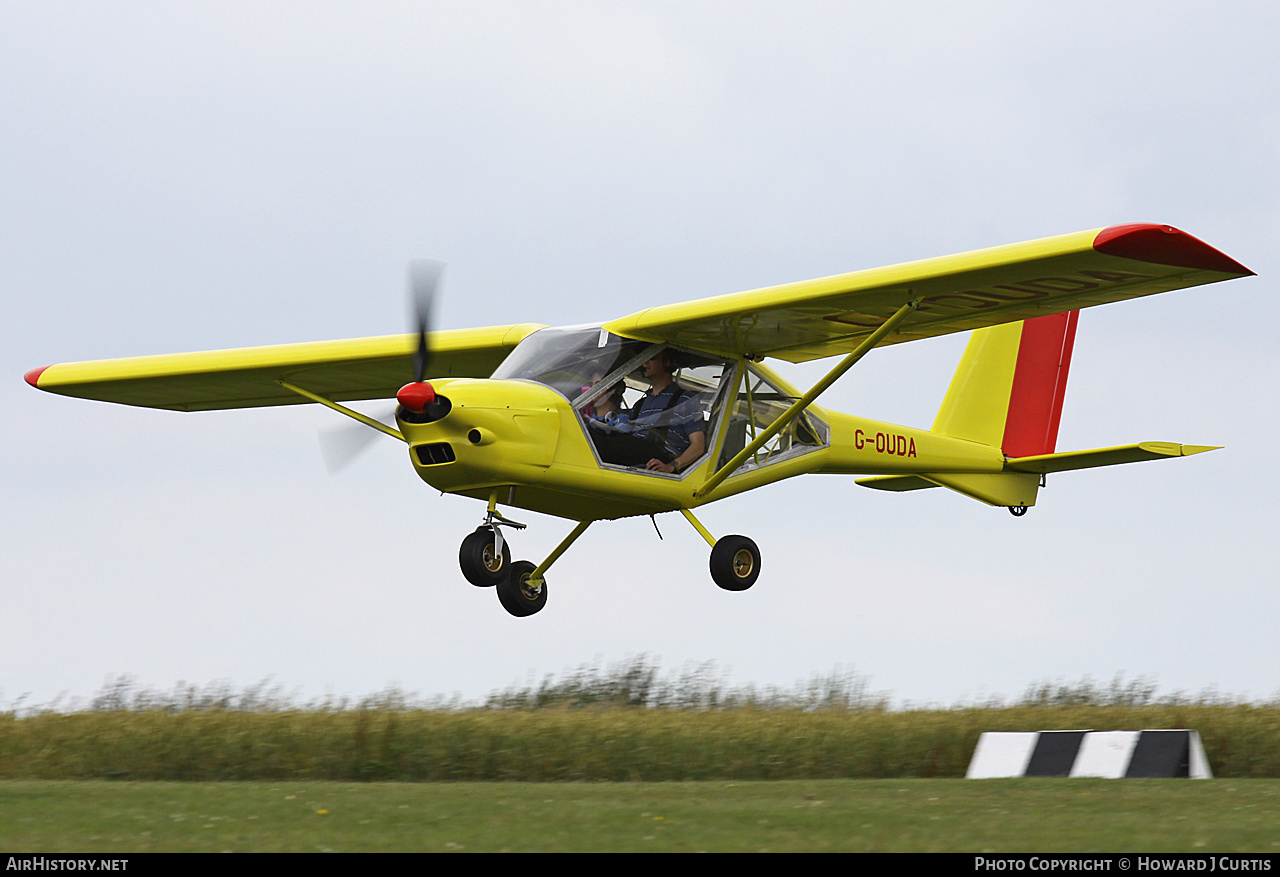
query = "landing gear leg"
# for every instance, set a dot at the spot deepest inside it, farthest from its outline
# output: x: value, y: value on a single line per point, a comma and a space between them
x: 484, y: 557
x: 524, y: 590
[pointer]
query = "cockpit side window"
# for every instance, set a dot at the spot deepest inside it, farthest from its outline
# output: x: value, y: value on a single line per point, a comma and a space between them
x: 660, y: 413
x: 756, y: 405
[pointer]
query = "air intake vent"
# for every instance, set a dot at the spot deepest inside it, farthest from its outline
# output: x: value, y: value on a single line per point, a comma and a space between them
x: 434, y: 454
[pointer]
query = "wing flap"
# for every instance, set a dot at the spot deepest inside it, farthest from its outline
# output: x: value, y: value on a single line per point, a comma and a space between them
x: 829, y: 316
x: 346, y: 370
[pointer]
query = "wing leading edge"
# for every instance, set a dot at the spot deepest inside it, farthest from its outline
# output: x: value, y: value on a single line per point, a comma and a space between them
x: 829, y: 316
x: 356, y: 368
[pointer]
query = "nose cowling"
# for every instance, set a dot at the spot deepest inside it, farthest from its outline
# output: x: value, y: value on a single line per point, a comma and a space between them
x: 480, y: 432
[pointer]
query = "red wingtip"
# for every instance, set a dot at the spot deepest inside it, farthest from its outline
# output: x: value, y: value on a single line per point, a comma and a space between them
x: 33, y: 376
x: 1164, y: 245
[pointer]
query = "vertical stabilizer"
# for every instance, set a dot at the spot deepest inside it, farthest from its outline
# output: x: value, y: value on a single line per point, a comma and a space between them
x: 1008, y: 389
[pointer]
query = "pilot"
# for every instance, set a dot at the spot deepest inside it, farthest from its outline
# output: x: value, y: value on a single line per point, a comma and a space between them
x: 669, y: 409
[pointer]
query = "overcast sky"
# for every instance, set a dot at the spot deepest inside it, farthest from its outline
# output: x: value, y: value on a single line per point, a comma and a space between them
x: 182, y: 176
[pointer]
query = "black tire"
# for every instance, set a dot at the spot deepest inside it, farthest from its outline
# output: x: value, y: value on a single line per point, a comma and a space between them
x: 735, y: 563
x: 516, y: 596
x: 481, y: 565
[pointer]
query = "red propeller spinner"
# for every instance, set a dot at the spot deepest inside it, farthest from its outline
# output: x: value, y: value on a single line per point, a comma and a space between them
x: 415, y: 397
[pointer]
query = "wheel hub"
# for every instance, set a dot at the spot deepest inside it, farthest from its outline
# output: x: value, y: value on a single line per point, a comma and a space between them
x: 528, y: 590
x: 491, y: 558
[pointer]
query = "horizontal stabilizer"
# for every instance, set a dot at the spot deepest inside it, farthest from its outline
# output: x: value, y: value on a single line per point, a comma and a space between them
x: 1065, y: 462
x: 1016, y: 485
x: 993, y: 488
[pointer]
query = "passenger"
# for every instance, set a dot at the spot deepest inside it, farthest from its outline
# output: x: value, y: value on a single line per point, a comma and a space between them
x: 668, y: 410
x: 608, y: 408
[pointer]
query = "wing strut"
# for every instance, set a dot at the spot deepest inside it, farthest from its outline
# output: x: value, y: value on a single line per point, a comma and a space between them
x: 797, y: 407
x: 342, y: 409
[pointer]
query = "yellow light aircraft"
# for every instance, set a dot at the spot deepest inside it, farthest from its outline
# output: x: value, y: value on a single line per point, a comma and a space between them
x: 672, y: 407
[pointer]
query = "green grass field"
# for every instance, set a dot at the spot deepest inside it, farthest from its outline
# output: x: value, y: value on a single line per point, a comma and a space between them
x: 615, y: 760
x: 610, y: 744
x: 950, y: 815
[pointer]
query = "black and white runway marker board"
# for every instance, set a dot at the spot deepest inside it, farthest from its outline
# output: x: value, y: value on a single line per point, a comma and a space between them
x: 1109, y: 754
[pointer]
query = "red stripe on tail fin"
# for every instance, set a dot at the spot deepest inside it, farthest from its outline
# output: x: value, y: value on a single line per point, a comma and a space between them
x: 1039, y: 385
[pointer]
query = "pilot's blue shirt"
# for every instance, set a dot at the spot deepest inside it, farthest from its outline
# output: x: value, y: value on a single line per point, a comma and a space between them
x: 677, y: 420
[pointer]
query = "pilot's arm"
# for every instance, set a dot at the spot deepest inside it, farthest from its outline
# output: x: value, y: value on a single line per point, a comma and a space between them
x: 697, y: 447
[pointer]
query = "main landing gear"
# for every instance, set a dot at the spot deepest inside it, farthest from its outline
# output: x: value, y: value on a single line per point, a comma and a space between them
x: 735, y: 563
x: 485, y: 559
x: 518, y: 595
x: 735, y: 560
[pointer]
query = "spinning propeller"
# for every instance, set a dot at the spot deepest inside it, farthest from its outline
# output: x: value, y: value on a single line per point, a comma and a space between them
x: 342, y: 445
x: 424, y: 278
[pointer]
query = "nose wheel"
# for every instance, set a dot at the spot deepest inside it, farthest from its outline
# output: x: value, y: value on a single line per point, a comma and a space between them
x: 484, y: 557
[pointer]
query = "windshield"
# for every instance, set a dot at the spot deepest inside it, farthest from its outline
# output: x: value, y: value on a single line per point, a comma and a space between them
x: 570, y: 360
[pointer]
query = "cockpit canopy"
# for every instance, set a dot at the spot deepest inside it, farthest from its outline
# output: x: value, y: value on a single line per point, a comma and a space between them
x: 641, y: 402
x: 569, y: 359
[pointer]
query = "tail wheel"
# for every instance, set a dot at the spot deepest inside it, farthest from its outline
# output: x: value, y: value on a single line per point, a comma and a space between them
x: 517, y: 596
x: 735, y: 563
x: 482, y: 565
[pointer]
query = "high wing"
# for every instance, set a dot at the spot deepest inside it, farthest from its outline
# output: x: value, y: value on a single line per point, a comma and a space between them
x: 828, y: 316
x: 356, y: 368
x: 797, y: 322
